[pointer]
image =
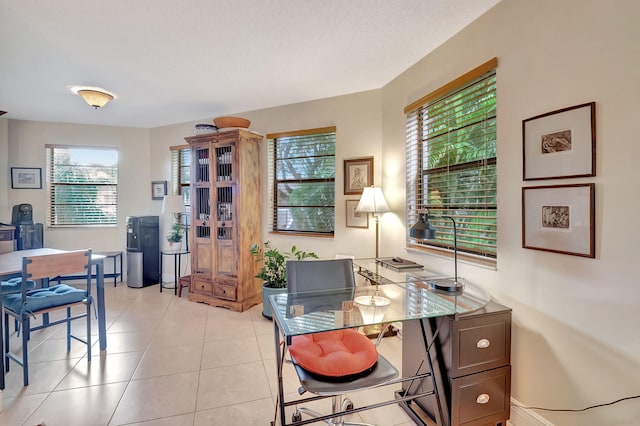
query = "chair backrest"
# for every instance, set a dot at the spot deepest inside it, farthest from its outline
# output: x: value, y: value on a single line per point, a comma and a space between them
x: 53, y: 265
x: 310, y: 275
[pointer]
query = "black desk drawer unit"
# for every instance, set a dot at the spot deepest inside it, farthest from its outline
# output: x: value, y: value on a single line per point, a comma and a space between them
x: 6, y: 239
x: 471, y: 357
x: 481, y: 398
x: 6, y: 233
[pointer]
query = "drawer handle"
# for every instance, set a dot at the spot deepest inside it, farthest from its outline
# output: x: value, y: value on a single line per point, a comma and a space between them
x: 483, y: 344
x: 483, y: 398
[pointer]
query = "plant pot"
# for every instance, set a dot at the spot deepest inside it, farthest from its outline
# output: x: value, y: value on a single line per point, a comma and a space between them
x: 175, y: 246
x: 266, y: 305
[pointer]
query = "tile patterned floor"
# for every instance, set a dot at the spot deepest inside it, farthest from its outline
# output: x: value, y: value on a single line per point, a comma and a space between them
x: 168, y: 362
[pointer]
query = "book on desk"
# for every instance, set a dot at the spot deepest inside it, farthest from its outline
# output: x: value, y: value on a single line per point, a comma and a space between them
x: 398, y: 263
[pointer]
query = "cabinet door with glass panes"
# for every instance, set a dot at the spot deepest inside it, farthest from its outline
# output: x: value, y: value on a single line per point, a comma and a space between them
x: 224, y: 205
x: 201, y: 257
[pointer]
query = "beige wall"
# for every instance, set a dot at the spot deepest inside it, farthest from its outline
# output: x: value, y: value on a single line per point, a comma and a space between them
x: 26, y: 142
x: 358, y: 119
x: 5, y: 182
x: 574, y: 340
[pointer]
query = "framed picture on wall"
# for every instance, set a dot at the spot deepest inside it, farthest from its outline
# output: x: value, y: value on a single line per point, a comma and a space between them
x: 358, y: 174
x: 26, y: 178
x: 356, y: 219
x: 158, y: 189
x: 559, y: 218
x: 560, y: 144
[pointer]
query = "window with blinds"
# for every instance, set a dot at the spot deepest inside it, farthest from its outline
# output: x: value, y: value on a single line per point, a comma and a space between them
x: 82, y: 186
x: 451, y: 162
x: 181, y: 176
x: 302, y: 181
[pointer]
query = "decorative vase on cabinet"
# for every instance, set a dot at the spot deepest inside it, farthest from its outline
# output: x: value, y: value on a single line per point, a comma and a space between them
x: 225, y: 218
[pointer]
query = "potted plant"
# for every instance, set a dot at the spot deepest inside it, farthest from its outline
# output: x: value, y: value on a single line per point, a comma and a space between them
x: 274, y: 272
x: 175, y: 236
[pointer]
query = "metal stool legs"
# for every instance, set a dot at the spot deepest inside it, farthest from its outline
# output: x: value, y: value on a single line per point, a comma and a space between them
x: 338, y: 404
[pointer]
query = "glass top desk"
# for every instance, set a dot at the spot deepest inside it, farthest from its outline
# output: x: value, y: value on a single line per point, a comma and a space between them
x: 409, y: 296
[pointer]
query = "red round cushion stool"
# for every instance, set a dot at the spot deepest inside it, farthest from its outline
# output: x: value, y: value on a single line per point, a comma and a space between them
x: 336, y: 353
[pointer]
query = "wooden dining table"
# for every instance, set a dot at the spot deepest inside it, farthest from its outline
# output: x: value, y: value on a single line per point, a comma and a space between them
x: 11, y: 265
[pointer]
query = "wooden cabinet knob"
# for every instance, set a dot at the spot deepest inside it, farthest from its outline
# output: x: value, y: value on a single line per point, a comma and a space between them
x: 483, y: 398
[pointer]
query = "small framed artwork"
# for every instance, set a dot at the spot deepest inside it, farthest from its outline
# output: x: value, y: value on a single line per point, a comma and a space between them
x: 560, y: 144
x: 26, y: 178
x: 559, y: 218
x: 356, y: 219
x: 358, y: 174
x: 158, y: 189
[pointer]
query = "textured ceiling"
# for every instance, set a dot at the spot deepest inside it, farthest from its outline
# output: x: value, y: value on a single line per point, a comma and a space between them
x: 176, y: 61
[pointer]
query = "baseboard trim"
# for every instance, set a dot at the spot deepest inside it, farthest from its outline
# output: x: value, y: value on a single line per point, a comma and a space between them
x: 521, y: 416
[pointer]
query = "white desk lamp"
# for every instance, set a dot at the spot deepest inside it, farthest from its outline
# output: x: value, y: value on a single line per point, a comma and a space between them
x: 372, y: 201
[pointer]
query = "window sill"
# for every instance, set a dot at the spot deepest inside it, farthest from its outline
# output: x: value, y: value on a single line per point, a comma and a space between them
x: 96, y: 225
x: 470, y: 259
x: 302, y: 234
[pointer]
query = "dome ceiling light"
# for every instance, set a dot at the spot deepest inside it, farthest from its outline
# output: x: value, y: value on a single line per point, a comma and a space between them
x: 97, y: 97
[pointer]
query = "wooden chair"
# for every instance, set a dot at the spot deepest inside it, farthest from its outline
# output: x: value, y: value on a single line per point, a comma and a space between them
x: 26, y: 303
x: 183, y: 282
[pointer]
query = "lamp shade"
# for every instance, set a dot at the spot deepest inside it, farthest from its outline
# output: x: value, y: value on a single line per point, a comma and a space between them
x: 94, y: 98
x: 97, y: 97
x: 422, y: 229
x: 372, y: 201
x: 372, y: 308
x: 173, y: 204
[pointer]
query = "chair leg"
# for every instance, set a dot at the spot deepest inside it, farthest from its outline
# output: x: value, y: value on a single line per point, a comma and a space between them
x: 6, y: 340
x: 68, y: 329
x: 28, y: 330
x: 338, y: 404
x: 88, y: 332
x: 25, y: 350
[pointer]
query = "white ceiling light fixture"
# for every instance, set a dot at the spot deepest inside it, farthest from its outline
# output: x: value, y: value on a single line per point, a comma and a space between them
x: 97, y: 97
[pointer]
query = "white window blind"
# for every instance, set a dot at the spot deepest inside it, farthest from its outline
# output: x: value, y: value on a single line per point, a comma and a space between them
x: 181, y: 176
x: 302, y: 181
x: 451, y: 162
x: 82, y: 185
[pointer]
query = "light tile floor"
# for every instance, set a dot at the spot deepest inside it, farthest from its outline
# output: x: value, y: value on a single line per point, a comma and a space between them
x: 168, y: 362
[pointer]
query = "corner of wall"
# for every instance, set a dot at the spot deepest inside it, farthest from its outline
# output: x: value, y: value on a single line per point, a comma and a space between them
x: 5, y: 212
x: 521, y: 416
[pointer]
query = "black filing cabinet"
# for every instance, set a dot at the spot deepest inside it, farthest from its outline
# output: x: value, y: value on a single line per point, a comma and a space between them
x: 471, y: 355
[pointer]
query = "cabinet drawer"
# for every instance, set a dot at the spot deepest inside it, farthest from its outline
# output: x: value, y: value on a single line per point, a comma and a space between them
x: 6, y: 234
x: 201, y: 286
x: 481, y: 398
x: 224, y: 290
x: 481, y: 343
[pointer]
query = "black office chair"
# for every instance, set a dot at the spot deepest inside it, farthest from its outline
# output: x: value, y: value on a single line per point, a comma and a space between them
x: 26, y: 303
x: 310, y: 275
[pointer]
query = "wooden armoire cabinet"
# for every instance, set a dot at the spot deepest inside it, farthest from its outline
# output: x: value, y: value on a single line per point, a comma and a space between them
x: 225, y: 219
